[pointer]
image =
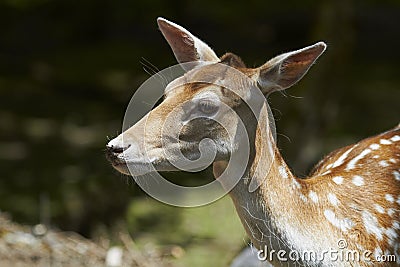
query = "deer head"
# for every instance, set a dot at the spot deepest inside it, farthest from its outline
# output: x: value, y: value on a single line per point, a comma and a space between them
x: 203, y: 111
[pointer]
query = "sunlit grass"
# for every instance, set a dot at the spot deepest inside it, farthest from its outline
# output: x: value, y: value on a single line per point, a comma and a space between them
x: 209, y: 236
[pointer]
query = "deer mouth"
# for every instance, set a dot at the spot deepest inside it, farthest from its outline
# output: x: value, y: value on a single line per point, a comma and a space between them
x: 131, y: 168
x: 117, y: 163
x: 122, y: 168
x: 134, y: 168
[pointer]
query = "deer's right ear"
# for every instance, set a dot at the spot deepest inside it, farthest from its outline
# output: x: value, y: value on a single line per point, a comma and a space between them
x: 186, y: 46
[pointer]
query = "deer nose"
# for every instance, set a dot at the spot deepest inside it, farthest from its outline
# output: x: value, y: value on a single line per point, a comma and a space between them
x: 115, y: 149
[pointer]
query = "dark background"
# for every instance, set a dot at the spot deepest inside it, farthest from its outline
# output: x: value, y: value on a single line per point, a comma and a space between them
x: 69, y: 68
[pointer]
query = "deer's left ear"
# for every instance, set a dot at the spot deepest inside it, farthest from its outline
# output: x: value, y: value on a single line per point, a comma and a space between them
x: 186, y: 46
x: 287, y: 69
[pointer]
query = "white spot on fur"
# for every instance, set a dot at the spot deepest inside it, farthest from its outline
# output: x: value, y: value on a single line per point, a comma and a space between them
x: 371, y: 224
x: 359, y: 247
x: 282, y: 171
x: 396, y: 225
x: 398, y: 200
x: 338, y: 179
x: 396, y: 253
x: 328, y: 166
x: 379, y: 208
x: 385, y: 142
x: 354, y: 207
x: 383, y: 163
x: 344, y: 224
x: 391, y: 212
x: 378, y: 252
x: 389, y: 198
x: 296, y: 184
x: 374, y: 146
x: 396, y: 175
x: 392, y: 160
x: 333, y: 199
x: 303, y: 197
x: 358, y: 180
x: 391, y: 233
x: 313, y: 196
x: 327, y: 172
x: 354, y: 161
x: 341, y: 159
x: 376, y: 157
x: 390, y: 242
x: 395, y: 138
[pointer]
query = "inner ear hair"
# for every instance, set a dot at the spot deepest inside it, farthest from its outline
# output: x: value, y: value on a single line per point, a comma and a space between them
x: 232, y: 60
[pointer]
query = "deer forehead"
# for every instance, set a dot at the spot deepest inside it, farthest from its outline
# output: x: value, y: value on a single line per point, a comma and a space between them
x: 179, y: 94
x: 216, y: 77
x: 195, y: 91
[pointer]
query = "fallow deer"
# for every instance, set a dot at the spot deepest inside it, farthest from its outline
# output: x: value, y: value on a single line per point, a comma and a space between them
x: 353, y: 194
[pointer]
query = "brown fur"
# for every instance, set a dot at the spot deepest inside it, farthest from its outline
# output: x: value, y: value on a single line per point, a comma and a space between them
x: 353, y: 200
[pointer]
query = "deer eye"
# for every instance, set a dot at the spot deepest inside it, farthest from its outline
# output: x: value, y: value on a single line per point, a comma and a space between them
x: 207, y: 106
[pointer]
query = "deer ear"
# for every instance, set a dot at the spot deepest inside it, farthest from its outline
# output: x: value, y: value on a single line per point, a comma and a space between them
x: 287, y: 69
x: 186, y: 46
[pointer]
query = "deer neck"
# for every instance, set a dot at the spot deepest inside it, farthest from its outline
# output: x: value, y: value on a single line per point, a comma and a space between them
x: 272, y: 214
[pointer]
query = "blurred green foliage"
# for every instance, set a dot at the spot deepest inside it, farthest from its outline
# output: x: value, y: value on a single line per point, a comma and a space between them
x: 69, y: 68
x: 208, y: 236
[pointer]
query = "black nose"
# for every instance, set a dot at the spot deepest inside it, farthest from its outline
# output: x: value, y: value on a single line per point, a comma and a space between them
x: 116, y: 149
